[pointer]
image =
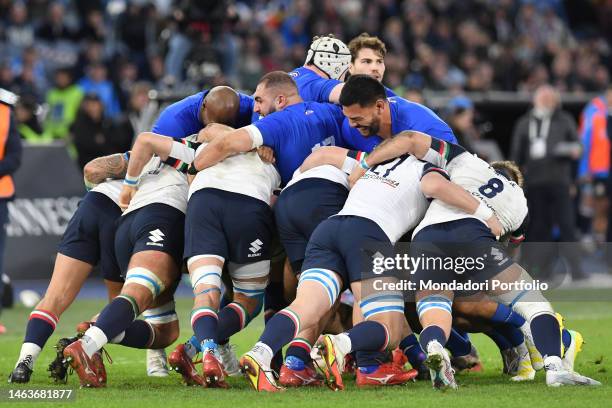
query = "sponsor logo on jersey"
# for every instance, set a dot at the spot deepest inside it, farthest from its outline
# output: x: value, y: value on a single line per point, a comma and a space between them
x: 156, y: 237
x: 255, y: 248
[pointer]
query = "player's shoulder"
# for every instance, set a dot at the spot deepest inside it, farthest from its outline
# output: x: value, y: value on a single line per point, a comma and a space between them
x: 299, y: 72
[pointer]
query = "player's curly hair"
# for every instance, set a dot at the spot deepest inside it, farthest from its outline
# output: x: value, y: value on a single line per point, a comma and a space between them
x: 509, y: 169
x: 365, y: 40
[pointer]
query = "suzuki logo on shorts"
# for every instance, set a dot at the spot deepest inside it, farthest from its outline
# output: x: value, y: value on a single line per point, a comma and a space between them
x: 155, y: 238
x: 255, y: 248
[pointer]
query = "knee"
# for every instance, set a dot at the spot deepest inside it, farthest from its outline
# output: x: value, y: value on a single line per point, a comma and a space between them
x: 165, y: 334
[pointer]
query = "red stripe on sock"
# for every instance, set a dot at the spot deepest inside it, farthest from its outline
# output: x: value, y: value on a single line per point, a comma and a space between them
x: 44, y: 318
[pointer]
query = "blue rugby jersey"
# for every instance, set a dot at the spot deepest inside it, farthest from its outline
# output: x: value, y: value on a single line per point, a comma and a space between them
x: 182, y: 118
x: 295, y: 131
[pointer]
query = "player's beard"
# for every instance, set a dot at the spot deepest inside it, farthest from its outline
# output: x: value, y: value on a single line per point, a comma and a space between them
x: 371, y: 129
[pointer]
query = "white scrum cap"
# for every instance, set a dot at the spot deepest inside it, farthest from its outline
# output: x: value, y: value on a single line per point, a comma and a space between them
x: 330, y: 55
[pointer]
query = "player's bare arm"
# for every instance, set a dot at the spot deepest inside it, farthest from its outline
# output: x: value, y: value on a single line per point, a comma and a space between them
x: 408, y: 141
x: 96, y: 171
x: 223, y: 146
x: 332, y: 155
x: 334, y: 96
x: 147, y: 144
x: 212, y: 130
x: 434, y: 185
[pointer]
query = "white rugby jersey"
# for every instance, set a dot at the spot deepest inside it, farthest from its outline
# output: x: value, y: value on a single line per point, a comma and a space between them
x: 503, y: 196
x: 242, y: 174
x: 329, y: 172
x: 160, y: 183
x: 389, y: 194
x: 110, y: 188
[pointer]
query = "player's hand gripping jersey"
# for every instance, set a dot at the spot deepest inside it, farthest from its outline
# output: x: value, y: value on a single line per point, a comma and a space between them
x: 389, y: 194
x: 165, y: 182
x: 503, y: 196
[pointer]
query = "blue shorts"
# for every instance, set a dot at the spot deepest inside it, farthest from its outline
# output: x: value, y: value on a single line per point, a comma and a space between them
x: 90, y: 234
x: 346, y: 245
x: 234, y: 226
x: 462, y: 239
x: 300, y: 209
x: 155, y: 227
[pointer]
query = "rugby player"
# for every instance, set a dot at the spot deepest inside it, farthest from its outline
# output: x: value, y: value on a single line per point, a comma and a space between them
x: 320, y: 78
x: 498, y: 188
x: 148, y: 246
x: 87, y: 241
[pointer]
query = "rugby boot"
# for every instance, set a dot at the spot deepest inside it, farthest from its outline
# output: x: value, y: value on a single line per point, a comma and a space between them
x: 440, y: 369
x: 22, y: 372
x: 157, y: 363
x: 557, y: 375
x: 181, y: 363
x: 307, y: 376
x: 229, y: 359
x: 333, y: 353
x: 212, y: 370
x: 85, y: 367
x: 259, y: 376
x: 386, y: 374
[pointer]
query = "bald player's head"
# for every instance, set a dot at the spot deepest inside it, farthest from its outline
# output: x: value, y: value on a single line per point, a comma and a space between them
x: 220, y: 105
x: 275, y: 91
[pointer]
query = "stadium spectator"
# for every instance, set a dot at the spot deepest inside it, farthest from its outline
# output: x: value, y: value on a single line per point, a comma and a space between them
x: 91, y: 132
x: 139, y: 116
x: 27, y: 122
x: 544, y: 145
x: 10, y: 158
x: 63, y: 102
x: 55, y: 28
x: 594, y: 167
x: 96, y: 81
x: 462, y: 117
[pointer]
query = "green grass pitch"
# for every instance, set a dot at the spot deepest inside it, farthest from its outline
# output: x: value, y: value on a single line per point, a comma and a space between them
x: 129, y: 386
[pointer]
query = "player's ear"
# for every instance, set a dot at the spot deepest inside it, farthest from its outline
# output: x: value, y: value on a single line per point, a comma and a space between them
x: 380, y: 106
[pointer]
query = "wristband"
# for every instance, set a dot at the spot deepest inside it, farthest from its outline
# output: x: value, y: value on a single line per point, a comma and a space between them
x: 362, y: 162
x: 130, y: 181
x: 192, y: 170
x: 483, y: 212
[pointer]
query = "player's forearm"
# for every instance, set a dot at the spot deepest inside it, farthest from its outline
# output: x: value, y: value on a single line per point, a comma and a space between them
x: 147, y: 144
x: 331, y: 155
x: 102, y: 168
x: 437, y: 187
x: 223, y: 146
x: 391, y: 149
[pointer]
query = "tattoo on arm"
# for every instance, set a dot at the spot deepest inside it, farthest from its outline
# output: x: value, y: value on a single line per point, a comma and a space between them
x: 102, y: 168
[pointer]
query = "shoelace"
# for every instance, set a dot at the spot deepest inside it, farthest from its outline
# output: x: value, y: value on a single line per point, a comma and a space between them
x: 29, y: 361
x: 105, y: 353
